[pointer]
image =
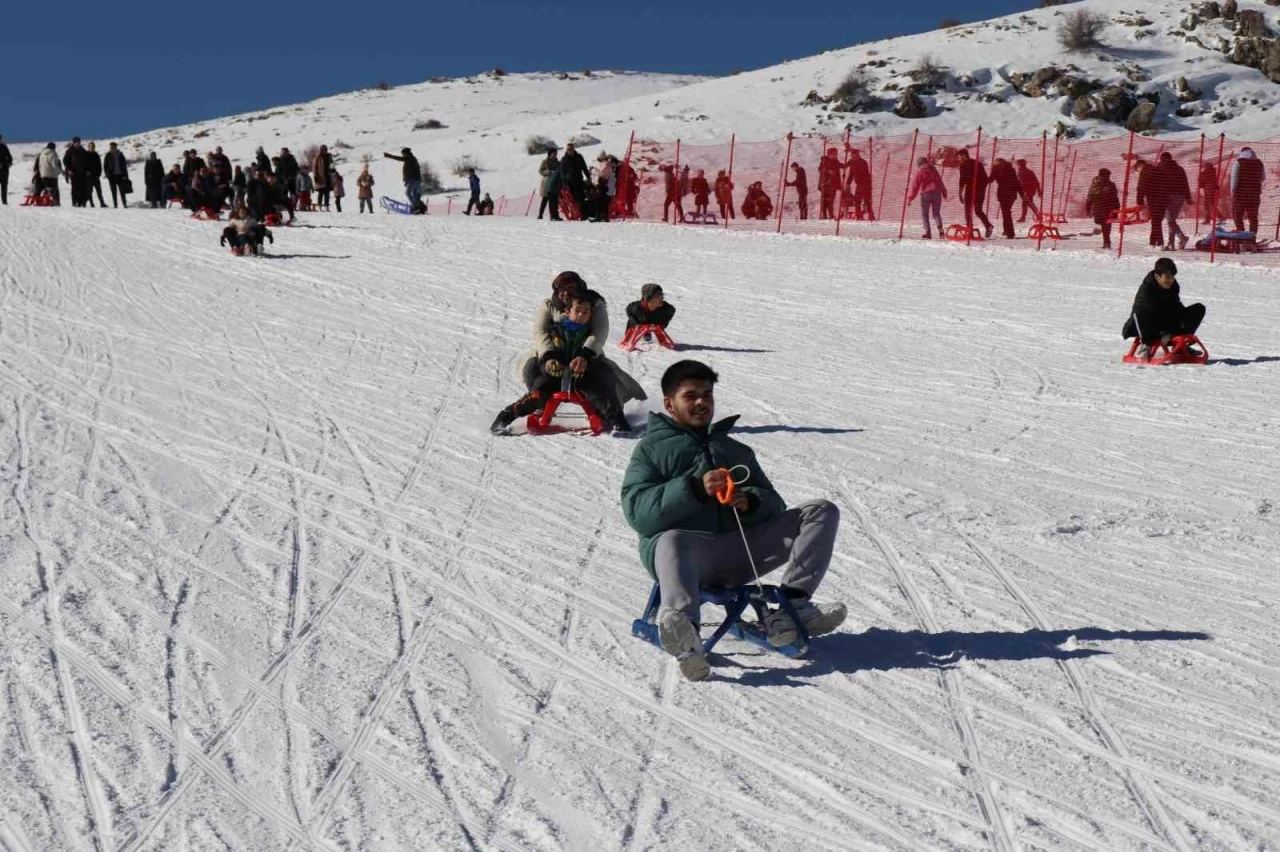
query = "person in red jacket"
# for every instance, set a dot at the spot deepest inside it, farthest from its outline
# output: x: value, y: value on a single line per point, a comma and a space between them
x: 701, y: 193
x: 724, y: 195
x: 859, y: 180
x: 1029, y: 186
x: 829, y: 183
x: 928, y: 184
x: 801, y: 183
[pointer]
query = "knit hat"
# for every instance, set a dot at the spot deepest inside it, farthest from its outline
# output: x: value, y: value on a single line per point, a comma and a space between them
x: 648, y: 291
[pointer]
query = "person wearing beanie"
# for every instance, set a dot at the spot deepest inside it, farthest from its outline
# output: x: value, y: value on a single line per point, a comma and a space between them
x: 1102, y: 202
x: 49, y: 168
x: 928, y: 184
x: 412, y: 175
x: 651, y: 309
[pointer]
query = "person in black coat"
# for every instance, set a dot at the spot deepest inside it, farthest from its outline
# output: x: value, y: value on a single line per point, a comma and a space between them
x: 412, y: 175
x: 116, y: 168
x: 6, y: 160
x: 74, y: 171
x: 93, y: 175
x: 262, y: 161
x: 801, y: 183
x: 288, y: 172
x: 1158, y: 313
x: 651, y: 309
x: 153, y: 177
x: 1008, y: 190
x: 256, y: 193
x: 1151, y: 196
x: 574, y: 173
x: 973, y: 191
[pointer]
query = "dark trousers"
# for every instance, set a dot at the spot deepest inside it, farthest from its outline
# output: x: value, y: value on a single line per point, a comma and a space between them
x: 114, y: 185
x: 51, y: 184
x: 1187, y: 323
x: 4, y: 186
x: 1157, y: 226
x: 549, y: 204
x: 322, y: 197
x: 337, y: 203
x: 971, y: 209
x: 802, y: 200
x: 1246, y: 210
x: 472, y: 202
x: 363, y: 202
x: 1006, y: 213
x: 1106, y: 235
x: 666, y: 208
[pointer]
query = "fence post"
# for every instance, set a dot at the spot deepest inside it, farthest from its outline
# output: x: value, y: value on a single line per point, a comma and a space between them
x: 1199, y: 183
x: 1053, y: 187
x: 733, y: 138
x: 880, y: 202
x: 871, y: 165
x: 529, y: 206
x: 449, y: 207
x: 986, y: 204
x: 843, y: 172
x: 1124, y: 203
x: 675, y: 174
x: 906, y: 188
x: 1066, y: 191
x: 1213, y: 234
x: 973, y: 189
x: 782, y: 191
x: 1044, y: 144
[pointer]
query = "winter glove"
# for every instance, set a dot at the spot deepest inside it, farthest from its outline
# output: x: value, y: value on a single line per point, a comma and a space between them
x: 553, y: 368
x: 578, y: 366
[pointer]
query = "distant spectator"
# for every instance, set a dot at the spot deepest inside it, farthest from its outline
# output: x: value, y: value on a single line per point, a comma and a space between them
x: 221, y: 166
x: 153, y: 178
x: 485, y: 206
x: 1008, y: 190
x: 49, y: 167
x: 75, y: 170
x: 860, y: 178
x: 1172, y: 180
x: 757, y: 204
x: 174, y: 186
x: 1029, y: 187
x: 338, y: 189
x: 1247, y: 175
x: 801, y: 183
x: 1102, y: 202
x: 973, y: 191
x: 927, y: 184
x: 116, y: 168
x: 672, y: 185
x: 91, y: 163
x: 701, y: 194
x: 302, y: 186
x: 239, y: 183
x: 549, y: 186
x: 364, y: 188
x: 829, y: 183
x: 6, y: 161
x: 321, y: 167
x: 724, y: 195
x: 606, y: 187
x: 1150, y: 197
x: 262, y: 161
x: 574, y: 174
x: 1208, y: 180
x: 288, y: 173
x: 412, y: 174
x: 473, y: 182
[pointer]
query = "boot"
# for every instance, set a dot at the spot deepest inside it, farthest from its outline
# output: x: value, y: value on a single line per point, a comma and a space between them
x: 816, y: 618
x: 679, y: 638
x: 501, y: 424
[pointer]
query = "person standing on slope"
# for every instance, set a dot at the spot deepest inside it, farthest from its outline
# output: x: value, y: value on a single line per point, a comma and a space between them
x: 801, y: 183
x: 473, y: 183
x: 49, y: 167
x: 1028, y: 188
x: 321, y: 169
x: 973, y: 191
x: 1247, y: 175
x: 6, y: 160
x: 1008, y: 188
x: 412, y: 174
x: 1102, y: 202
x: 860, y: 178
x: 1172, y: 180
x: 689, y: 541
x: 364, y: 188
x: 928, y: 184
x: 829, y: 171
x: 153, y: 179
x: 549, y: 186
x: 575, y: 174
x: 116, y: 168
x: 724, y: 195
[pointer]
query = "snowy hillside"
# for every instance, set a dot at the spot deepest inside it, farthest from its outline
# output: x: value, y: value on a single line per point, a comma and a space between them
x: 268, y: 583
x: 1146, y: 46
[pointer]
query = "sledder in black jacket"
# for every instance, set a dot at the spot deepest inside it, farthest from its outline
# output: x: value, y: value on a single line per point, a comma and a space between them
x: 1158, y: 312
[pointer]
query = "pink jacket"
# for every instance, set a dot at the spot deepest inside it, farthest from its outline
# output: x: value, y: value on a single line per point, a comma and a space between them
x: 927, y: 179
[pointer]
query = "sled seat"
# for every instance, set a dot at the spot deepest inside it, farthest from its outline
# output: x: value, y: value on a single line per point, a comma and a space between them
x: 1177, y: 352
x: 1130, y: 216
x: 540, y: 423
x: 958, y: 233
x: 736, y: 601
x: 1042, y: 231
x: 635, y: 335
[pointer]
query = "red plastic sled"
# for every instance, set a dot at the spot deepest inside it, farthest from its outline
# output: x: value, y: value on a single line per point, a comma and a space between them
x: 631, y: 340
x: 1178, y: 352
x: 1130, y: 216
x: 43, y: 199
x: 569, y: 205
x: 540, y: 424
x: 207, y: 213
x: 1041, y: 231
x: 274, y: 219
x: 958, y: 233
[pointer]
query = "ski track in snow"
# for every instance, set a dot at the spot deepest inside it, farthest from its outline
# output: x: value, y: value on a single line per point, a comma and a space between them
x: 271, y: 584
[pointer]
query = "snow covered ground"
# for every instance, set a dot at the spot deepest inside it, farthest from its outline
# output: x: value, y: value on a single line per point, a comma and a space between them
x: 267, y: 582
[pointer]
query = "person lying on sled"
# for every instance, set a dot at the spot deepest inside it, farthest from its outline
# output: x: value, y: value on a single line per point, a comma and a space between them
x: 569, y: 353
x: 652, y: 309
x: 1158, y: 313
x: 689, y: 541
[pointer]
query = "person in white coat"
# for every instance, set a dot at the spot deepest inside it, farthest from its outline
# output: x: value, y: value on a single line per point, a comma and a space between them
x: 50, y: 168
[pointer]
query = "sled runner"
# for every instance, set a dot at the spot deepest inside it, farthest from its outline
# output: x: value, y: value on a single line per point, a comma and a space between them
x: 958, y: 233
x: 1130, y: 216
x: 1177, y: 352
x: 1041, y: 231
x: 175, y: 200
x: 207, y: 213
x: 541, y: 423
x: 736, y: 602
x: 704, y: 219
x: 1231, y: 242
x: 635, y: 335
x: 43, y: 199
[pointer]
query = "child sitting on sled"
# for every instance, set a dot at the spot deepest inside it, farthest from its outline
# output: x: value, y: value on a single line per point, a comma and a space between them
x: 569, y: 355
x: 245, y: 233
x: 651, y: 309
x: 1158, y: 313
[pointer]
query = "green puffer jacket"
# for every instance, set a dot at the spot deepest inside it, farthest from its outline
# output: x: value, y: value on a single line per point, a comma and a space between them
x: 662, y: 489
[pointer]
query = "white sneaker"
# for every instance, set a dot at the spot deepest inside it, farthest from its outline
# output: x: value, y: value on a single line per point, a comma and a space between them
x: 679, y: 638
x: 817, y: 619
x: 1143, y: 353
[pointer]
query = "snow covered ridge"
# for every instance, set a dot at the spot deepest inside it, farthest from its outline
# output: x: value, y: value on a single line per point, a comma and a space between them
x: 1010, y: 76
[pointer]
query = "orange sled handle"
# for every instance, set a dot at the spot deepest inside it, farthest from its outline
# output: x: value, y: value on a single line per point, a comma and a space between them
x: 725, y: 496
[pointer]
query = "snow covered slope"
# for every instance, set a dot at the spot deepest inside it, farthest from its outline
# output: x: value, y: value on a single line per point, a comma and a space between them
x: 489, y: 118
x: 267, y: 582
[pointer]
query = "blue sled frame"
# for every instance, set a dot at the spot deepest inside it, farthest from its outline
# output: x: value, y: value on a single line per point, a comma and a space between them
x: 735, y: 602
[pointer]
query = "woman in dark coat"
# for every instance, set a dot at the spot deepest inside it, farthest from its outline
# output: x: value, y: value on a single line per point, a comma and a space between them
x: 1102, y: 202
x: 153, y: 177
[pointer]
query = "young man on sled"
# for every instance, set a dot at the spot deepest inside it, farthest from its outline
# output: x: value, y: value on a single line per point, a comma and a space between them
x: 690, y: 541
x: 1158, y: 314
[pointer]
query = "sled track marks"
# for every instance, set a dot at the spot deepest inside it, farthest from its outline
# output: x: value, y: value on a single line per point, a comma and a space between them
x: 1143, y: 792
x: 983, y: 790
x: 98, y: 812
x: 219, y: 742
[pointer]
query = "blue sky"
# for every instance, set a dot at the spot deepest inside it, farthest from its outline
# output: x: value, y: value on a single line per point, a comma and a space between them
x: 102, y: 69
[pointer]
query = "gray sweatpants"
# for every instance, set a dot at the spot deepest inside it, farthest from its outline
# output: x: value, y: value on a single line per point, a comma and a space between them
x: 803, y: 536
